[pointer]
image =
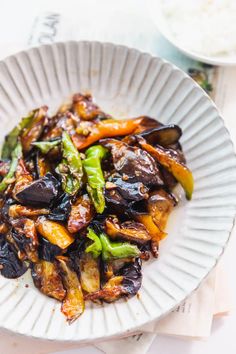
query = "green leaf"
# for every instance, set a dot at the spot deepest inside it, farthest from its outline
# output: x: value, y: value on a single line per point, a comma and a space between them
x: 16, y: 155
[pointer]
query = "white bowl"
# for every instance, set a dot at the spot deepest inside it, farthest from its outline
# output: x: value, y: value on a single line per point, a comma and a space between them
x: 156, y: 13
x: 127, y: 83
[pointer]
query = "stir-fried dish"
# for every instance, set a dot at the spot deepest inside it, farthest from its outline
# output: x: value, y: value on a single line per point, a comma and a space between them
x: 85, y: 199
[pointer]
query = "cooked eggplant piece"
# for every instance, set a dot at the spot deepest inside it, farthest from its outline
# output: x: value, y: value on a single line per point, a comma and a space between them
x: 128, y: 230
x: 127, y: 283
x: 133, y: 163
x: 17, y: 211
x: 115, y: 203
x: 112, y: 267
x: 89, y: 273
x: 11, y: 266
x: 25, y: 236
x: 81, y: 214
x: 42, y: 166
x: 22, y: 176
x: 54, y: 232
x: 132, y: 275
x: 132, y: 191
x: 73, y: 304
x: 163, y: 135
x: 47, y: 250
x: 61, y: 208
x: 166, y: 159
x: 33, y: 132
x: 39, y: 193
x: 160, y: 205
x: 85, y: 108
x: 3, y: 228
x: 47, y: 279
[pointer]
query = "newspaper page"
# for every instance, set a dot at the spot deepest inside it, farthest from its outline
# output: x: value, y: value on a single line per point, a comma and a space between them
x: 54, y: 21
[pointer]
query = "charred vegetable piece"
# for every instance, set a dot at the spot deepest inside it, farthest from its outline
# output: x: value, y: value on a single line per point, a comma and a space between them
x: 11, y: 266
x: 23, y: 178
x: 61, y: 208
x: 115, y: 203
x: 41, y: 192
x: 117, y: 249
x: 3, y: 228
x: 16, y: 211
x: 34, y: 129
x: 127, y: 283
x: 85, y: 108
x: 96, y: 247
x: 132, y: 191
x: 48, y: 251
x: 73, y: 304
x: 132, y: 275
x: 96, y: 182
x: 164, y: 135
x: 89, y: 273
x: 12, y: 138
x: 70, y: 168
x: 4, y: 167
x: 26, y: 238
x: 128, y: 230
x: 81, y: 214
x: 112, y: 291
x: 47, y: 279
x: 179, y: 171
x: 46, y: 146
x: 105, y: 129
x: 15, y: 156
x: 42, y: 166
x: 133, y: 163
x: 54, y: 232
x: 160, y: 205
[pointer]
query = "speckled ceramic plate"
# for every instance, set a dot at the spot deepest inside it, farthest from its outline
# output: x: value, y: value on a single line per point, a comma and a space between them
x: 127, y: 83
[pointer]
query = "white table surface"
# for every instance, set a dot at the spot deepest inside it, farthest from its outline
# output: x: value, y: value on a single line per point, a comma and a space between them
x: 132, y: 26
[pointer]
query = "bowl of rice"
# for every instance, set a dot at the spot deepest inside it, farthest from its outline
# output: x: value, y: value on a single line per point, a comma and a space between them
x: 204, y: 30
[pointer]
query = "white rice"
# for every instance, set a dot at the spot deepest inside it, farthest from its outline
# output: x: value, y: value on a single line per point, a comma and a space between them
x: 207, y: 27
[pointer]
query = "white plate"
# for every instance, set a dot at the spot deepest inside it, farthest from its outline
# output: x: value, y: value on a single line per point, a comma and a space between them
x: 156, y: 13
x: 127, y: 83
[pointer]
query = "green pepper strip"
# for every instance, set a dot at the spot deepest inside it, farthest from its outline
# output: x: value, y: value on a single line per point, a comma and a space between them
x: 46, y: 146
x: 96, y: 247
x: 12, y: 138
x: 16, y: 155
x: 70, y: 168
x: 111, y: 250
x: 96, y: 182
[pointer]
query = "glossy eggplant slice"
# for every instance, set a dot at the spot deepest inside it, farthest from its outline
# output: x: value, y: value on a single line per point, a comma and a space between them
x: 33, y: 132
x: 23, y: 178
x: 164, y: 135
x: 85, y: 108
x: 89, y: 273
x: 25, y: 236
x: 42, y: 166
x: 133, y: 163
x: 126, y: 283
x: 54, y: 232
x: 39, y: 193
x: 132, y: 191
x: 61, y: 208
x: 17, y: 211
x: 47, y: 279
x: 115, y: 203
x: 73, y: 304
x: 81, y: 214
x: 128, y: 230
x: 160, y: 205
x: 47, y: 250
x: 11, y: 266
